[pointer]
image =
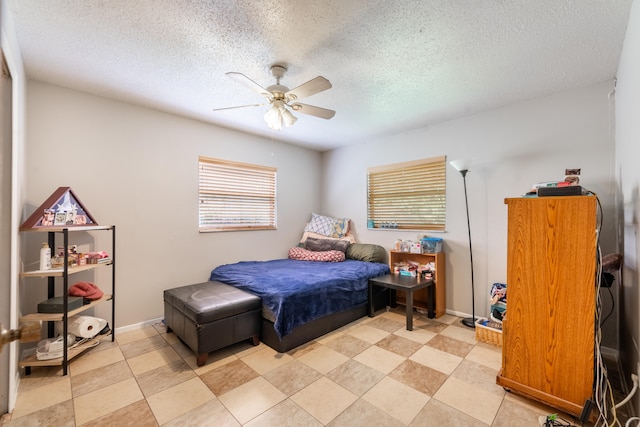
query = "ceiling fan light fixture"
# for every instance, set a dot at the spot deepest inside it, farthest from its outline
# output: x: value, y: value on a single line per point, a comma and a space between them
x: 279, y: 105
x: 273, y: 117
x: 280, y: 97
x: 288, y: 118
x: 278, y: 116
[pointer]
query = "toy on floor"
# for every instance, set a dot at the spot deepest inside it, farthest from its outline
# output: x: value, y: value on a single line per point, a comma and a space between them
x: 554, y: 420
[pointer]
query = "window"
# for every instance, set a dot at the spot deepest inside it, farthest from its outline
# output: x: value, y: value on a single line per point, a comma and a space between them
x: 407, y: 195
x: 236, y: 196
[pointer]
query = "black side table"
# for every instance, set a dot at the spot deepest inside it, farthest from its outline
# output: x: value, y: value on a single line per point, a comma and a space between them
x: 407, y: 284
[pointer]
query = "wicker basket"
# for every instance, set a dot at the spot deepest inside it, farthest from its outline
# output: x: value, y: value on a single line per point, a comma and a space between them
x: 485, y: 333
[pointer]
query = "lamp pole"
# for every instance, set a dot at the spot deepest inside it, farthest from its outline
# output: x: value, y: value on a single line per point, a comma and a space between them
x: 470, y: 322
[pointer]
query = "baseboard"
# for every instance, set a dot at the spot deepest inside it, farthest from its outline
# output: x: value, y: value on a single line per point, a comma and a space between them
x: 464, y: 315
x: 135, y: 326
x: 458, y: 313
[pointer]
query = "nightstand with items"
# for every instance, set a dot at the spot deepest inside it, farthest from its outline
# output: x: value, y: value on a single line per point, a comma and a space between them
x: 408, y: 286
x: 436, y: 261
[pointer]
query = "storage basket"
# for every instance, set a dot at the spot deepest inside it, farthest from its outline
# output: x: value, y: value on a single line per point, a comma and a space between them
x: 486, y: 333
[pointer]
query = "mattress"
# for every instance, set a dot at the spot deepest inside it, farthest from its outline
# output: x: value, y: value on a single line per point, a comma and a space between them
x: 295, y: 292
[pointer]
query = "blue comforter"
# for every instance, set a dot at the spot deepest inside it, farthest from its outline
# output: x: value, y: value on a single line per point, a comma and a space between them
x: 297, y: 292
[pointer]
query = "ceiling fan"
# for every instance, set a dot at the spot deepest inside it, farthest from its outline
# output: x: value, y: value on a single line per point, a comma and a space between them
x: 280, y: 97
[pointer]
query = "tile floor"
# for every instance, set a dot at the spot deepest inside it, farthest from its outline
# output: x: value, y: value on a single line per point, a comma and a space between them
x: 372, y: 372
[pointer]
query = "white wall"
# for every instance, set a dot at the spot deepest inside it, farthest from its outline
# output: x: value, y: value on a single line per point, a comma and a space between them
x: 627, y: 174
x: 138, y: 169
x: 513, y: 148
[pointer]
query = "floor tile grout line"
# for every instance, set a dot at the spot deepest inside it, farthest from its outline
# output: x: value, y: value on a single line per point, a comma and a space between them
x: 185, y: 357
x: 148, y: 337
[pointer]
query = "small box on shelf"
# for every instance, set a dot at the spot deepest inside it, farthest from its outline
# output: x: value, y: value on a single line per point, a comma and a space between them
x: 431, y: 245
x: 56, y: 304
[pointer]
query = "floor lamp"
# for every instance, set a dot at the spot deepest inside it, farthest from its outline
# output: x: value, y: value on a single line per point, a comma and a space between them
x: 463, y: 167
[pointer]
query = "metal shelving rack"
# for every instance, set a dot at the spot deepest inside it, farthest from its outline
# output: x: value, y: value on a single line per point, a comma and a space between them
x: 65, y: 271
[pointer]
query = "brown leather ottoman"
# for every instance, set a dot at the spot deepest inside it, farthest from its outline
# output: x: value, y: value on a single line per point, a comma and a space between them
x: 211, y: 315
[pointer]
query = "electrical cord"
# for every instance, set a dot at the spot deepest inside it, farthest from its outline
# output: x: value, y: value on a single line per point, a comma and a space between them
x: 613, y: 305
x: 628, y: 423
x: 634, y: 378
x: 603, y: 392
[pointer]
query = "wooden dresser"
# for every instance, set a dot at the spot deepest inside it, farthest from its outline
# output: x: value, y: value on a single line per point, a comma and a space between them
x: 548, y: 332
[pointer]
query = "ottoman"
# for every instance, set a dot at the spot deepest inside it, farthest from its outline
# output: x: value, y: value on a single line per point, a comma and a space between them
x: 211, y: 315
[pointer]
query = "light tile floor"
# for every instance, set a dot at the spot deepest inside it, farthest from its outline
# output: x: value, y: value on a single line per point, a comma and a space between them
x: 372, y: 372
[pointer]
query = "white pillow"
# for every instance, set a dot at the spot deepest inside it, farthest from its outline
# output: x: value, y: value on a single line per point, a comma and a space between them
x: 328, y: 226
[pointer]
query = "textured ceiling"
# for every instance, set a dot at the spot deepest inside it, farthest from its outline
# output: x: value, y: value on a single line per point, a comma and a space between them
x: 394, y: 64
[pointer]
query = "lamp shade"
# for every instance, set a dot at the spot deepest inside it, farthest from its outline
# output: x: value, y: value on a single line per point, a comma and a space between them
x: 278, y: 116
x: 460, y: 164
x: 288, y: 118
x: 273, y: 118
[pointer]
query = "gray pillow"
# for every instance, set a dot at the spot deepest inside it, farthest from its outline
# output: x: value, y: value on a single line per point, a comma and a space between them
x: 319, y: 245
x: 366, y: 252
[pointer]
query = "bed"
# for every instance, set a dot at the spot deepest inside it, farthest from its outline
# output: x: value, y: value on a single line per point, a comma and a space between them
x: 303, y: 300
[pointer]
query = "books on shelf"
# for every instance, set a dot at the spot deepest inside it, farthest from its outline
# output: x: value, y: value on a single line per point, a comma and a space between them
x: 552, y: 184
x: 98, y: 260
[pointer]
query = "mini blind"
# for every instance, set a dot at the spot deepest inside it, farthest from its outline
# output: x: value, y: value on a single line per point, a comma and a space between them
x: 236, y: 196
x: 408, y: 195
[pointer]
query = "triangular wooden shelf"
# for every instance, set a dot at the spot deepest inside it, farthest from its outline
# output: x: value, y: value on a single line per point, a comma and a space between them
x: 63, y: 209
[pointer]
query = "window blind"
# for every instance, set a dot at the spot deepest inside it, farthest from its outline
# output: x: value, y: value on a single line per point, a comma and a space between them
x: 409, y: 195
x: 236, y: 196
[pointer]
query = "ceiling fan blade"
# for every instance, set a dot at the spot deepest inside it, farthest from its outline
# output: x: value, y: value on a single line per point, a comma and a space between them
x: 246, y: 81
x: 239, y: 106
x: 309, y: 88
x: 323, y: 113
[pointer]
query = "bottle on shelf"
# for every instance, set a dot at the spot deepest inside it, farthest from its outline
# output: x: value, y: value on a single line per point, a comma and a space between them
x: 45, y: 257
